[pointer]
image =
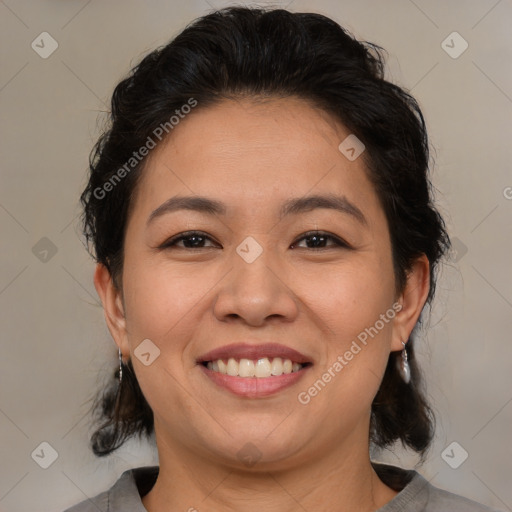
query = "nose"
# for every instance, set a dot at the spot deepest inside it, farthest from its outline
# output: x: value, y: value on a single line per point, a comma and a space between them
x: 256, y: 292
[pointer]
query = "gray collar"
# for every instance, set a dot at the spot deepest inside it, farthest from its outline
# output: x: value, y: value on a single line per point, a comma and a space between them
x: 125, y: 494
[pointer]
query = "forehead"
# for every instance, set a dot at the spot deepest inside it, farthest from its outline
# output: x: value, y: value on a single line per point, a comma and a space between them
x: 254, y: 152
x: 245, y: 124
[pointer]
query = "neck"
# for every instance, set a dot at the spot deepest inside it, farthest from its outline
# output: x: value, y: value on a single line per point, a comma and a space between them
x: 343, y: 476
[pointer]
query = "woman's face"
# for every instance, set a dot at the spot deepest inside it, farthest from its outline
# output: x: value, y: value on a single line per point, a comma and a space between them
x: 253, y: 276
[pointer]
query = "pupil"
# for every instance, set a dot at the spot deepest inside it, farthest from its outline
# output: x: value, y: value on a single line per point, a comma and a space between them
x: 318, y: 238
x: 193, y: 237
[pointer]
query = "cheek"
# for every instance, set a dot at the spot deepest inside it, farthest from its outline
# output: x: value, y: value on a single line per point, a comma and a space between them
x: 351, y: 301
x: 352, y: 296
x: 159, y: 299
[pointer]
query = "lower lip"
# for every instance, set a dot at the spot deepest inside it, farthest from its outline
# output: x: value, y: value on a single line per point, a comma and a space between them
x: 254, y: 387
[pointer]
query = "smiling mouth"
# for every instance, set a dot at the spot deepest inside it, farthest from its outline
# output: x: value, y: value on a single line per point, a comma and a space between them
x: 260, y: 368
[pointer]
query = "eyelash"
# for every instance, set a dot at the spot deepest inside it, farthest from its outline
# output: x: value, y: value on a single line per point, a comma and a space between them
x: 189, y: 234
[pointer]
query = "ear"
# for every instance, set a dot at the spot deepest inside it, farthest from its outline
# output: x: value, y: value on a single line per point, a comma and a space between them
x: 412, y: 300
x: 113, y: 308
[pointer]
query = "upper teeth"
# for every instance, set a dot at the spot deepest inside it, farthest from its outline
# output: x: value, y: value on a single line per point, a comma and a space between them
x: 262, y: 367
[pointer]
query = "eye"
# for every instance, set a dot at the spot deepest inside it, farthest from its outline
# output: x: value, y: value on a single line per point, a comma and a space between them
x: 197, y: 240
x: 190, y: 239
x: 318, y: 240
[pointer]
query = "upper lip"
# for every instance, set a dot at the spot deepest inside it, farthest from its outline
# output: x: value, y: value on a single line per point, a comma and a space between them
x: 248, y: 351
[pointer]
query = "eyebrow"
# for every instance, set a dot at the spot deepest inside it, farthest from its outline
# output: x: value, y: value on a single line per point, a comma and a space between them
x: 292, y: 206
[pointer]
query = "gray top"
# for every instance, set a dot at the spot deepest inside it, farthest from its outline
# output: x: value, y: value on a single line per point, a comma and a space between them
x: 415, y: 494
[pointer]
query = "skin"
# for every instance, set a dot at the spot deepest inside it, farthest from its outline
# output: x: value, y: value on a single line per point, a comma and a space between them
x: 253, y: 156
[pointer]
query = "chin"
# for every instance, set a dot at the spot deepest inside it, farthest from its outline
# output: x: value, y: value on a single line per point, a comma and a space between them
x: 257, y: 451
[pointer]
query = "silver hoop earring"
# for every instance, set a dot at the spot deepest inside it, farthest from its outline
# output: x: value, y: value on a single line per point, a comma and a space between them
x: 120, y: 367
x: 403, y: 366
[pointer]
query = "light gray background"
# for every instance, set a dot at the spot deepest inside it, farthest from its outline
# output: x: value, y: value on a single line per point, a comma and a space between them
x: 55, y: 345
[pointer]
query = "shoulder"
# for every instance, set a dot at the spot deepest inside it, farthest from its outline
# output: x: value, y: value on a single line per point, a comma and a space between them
x: 416, y: 494
x: 124, y: 495
x: 98, y: 503
x: 440, y: 500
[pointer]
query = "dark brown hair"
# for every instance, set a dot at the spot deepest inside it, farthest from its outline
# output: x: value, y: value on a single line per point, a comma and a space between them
x: 256, y: 52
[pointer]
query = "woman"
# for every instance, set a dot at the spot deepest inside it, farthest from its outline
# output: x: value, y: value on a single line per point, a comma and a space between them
x: 266, y: 241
